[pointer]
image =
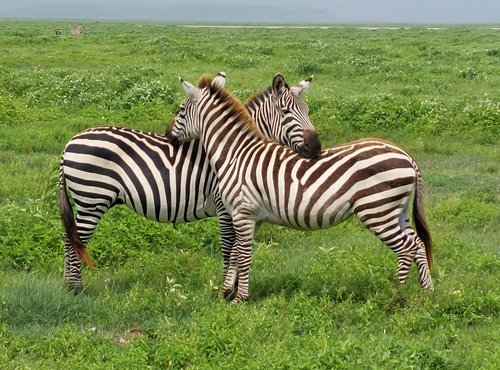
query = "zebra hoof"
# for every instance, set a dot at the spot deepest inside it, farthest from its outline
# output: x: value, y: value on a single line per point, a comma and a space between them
x: 428, y: 288
x: 229, y: 290
x: 229, y: 294
x: 75, y: 289
x: 238, y: 299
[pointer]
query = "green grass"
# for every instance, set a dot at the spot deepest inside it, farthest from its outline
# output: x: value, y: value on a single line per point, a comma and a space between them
x: 326, y: 299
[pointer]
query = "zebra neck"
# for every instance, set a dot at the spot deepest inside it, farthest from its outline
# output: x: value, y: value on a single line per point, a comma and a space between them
x: 256, y: 102
x: 226, y: 139
x: 261, y: 109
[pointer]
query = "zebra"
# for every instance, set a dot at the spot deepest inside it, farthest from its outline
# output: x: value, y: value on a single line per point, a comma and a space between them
x: 105, y: 166
x: 78, y: 31
x: 265, y: 182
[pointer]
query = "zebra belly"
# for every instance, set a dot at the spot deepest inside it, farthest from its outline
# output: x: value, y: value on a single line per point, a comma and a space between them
x: 187, y: 212
x: 309, y: 221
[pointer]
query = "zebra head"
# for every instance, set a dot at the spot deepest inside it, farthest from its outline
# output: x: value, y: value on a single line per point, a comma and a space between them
x: 286, y: 117
x: 187, y: 123
x: 193, y: 94
x: 203, y: 104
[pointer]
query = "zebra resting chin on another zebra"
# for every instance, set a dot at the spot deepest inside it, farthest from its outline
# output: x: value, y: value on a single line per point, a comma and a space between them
x: 265, y: 182
x: 105, y: 166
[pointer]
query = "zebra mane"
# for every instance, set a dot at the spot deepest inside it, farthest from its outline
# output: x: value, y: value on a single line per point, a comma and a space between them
x: 260, y: 96
x: 233, y: 105
x: 204, y: 81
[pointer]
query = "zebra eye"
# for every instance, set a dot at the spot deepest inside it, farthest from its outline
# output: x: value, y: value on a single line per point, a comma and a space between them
x: 181, y: 111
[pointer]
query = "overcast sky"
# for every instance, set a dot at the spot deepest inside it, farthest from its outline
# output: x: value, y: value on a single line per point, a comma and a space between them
x: 260, y: 11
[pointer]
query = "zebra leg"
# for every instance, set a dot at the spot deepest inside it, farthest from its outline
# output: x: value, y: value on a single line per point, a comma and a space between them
x: 420, y: 256
x: 422, y: 263
x: 244, y: 226
x: 406, y: 256
x: 231, y: 278
x: 396, y: 232
x: 72, y: 268
x: 86, y: 223
x: 227, y: 244
x: 398, y: 240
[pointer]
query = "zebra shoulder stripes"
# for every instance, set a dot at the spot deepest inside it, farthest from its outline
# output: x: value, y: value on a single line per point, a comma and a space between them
x: 105, y: 166
x: 266, y: 182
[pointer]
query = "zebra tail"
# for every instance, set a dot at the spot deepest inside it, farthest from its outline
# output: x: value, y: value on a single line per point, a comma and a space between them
x: 68, y: 221
x: 419, y: 217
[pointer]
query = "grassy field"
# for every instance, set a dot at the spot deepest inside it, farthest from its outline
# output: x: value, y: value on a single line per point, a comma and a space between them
x: 325, y: 299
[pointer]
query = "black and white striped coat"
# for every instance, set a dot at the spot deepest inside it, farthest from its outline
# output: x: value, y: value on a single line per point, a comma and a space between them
x: 265, y: 182
x: 105, y: 166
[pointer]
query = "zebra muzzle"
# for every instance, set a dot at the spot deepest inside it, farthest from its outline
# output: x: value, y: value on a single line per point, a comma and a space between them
x: 171, y: 137
x: 312, y: 145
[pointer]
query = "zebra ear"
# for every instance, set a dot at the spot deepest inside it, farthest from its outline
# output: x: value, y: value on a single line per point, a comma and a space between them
x: 219, y: 80
x: 192, y: 92
x: 301, y: 86
x: 278, y: 85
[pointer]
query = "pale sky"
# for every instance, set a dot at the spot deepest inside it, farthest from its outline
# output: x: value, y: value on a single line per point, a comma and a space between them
x: 260, y: 11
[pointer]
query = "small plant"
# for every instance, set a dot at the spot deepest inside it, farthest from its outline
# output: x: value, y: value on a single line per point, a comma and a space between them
x: 308, y: 67
x: 469, y: 74
x: 493, y: 53
x: 145, y: 92
x: 174, y: 289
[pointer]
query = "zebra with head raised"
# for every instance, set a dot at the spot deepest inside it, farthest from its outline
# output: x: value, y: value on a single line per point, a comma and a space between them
x: 105, y: 166
x: 265, y: 182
